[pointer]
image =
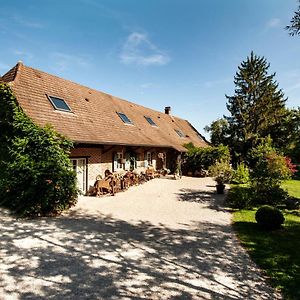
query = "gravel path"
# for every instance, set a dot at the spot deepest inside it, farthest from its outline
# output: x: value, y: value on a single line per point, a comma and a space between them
x: 165, y: 239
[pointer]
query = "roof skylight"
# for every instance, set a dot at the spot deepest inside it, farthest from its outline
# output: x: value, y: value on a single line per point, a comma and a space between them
x: 124, y: 118
x: 150, y: 121
x: 180, y: 133
x: 59, y: 104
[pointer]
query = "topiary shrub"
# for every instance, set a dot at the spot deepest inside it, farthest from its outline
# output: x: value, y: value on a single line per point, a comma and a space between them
x: 36, y: 177
x: 269, y: 217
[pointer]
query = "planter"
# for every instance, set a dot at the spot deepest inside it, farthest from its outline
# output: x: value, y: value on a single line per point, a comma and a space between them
x: 220, y: 188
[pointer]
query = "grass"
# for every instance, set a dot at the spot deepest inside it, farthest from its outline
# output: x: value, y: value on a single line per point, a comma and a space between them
x: 293, y: 187
x: 275, y: 252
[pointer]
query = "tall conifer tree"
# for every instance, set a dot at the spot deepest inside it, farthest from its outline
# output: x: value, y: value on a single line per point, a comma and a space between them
x: 257, y: 107
x: 294, y: 27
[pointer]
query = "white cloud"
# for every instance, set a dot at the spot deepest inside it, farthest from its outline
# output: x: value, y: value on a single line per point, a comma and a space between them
x: 63, y: 61
x: 139, y: 50
x: 273, y: 23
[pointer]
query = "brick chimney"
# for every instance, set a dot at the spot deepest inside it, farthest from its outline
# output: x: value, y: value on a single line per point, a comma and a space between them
x: 167, y: 110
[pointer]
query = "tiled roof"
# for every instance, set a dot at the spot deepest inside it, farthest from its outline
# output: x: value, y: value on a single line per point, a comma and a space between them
x: 93, y: 118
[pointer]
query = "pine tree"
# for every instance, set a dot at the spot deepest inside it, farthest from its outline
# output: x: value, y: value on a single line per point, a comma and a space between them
x: 294, y: 27
x: 257, y: 107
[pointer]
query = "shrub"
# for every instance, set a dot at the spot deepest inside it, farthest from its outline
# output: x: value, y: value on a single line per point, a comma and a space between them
x: 269, y: 217
x: 239, y: 197
x: 197, y: 159
x: 271, y: 195
x: 222, y: 172
x: 241, y: 175
x: 36, y: 176
x: 292, y: 167
x: 268, y: 173
x: 292, y: 203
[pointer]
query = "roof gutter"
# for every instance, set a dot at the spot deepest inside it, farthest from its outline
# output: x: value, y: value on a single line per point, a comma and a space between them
x: 124, y: 144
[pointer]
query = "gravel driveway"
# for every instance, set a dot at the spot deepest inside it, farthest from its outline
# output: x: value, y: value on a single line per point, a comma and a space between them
x: 165, y: 239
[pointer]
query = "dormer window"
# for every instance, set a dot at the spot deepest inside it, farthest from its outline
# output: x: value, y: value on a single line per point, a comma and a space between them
x: 59, y: 104
x: 124, y: 118
x: 180, y: 133
x: 150, y: 121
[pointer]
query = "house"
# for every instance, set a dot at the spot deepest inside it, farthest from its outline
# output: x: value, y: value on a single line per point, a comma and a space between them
x: 108, y: 132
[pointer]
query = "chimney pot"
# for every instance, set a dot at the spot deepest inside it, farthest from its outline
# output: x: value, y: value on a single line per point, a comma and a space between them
x: 167, y: 110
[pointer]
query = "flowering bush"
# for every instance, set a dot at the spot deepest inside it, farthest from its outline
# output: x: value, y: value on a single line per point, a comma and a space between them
x: 290, y: 165
x: 270, y: 170
x: 222, y: 172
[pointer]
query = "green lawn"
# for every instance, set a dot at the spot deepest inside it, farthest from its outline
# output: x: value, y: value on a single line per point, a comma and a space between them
x: 293, y: 187
x: 277, y: 252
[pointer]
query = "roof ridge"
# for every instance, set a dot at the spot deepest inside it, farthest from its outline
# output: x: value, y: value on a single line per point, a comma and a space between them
x: 12, y: 74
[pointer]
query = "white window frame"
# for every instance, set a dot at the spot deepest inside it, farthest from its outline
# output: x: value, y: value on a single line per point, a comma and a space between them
x: 119, y: 156
x: 149, y: 158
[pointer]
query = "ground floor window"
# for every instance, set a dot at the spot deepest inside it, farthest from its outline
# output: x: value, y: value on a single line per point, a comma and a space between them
x: 119, y: 157
x: 149, y: 158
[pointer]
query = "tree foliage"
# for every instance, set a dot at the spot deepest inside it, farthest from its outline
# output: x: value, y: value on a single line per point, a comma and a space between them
x: 36, y: 176
x: 294, y: 27
x: 257, y: 110
x: 270, y: 169
x: 219, y: 132
x: 292, y: 135
x: 257, y: 107
x: 198, y: 158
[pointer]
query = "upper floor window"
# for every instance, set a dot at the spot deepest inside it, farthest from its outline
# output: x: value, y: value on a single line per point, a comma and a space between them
x: 59, y: 104
x: 124, y: 118
x: 150, y: 121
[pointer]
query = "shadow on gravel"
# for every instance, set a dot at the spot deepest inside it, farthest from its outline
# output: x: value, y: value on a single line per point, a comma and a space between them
x: 82, y: 256
x: 211, y: 198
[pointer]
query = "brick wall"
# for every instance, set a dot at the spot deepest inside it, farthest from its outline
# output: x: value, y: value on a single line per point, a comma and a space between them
x: 93, y: 159
x: 100, y: 159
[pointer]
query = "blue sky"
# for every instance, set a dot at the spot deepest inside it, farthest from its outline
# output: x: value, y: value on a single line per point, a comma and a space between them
x: 157, y: 53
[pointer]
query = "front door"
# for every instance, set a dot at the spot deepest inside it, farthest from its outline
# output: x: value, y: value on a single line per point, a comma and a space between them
x: 79, y: 166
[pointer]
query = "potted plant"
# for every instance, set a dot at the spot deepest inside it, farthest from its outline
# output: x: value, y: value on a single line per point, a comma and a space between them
x: 220, y: 186
x: 221, y: 171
